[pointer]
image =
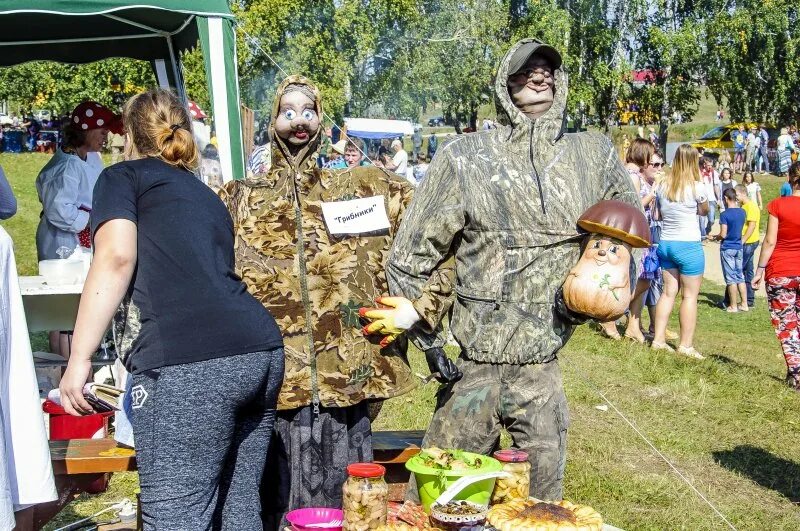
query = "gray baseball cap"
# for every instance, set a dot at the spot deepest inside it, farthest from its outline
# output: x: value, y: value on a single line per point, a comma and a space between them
x: 529, y: 48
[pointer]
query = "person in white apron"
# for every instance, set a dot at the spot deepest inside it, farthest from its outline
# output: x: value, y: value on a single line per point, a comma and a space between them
x: 65, y: 187
x: 65, y: 183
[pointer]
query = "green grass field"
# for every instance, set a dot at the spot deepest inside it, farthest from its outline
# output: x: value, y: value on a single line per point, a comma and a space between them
x: 727, y: 423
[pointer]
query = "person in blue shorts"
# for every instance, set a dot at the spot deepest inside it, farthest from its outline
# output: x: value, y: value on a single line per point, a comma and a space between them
x: 731, y: 252
x: 680, y: 199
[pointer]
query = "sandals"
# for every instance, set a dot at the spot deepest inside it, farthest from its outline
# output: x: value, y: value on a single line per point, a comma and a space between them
x: 661, y: 346
x: 731, y: 309
x: 744, y: 308
x: 634, y: 338
x: 690, y: 352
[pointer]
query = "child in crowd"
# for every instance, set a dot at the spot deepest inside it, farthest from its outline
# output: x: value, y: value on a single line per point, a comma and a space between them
x: 725, y: 182
x: 731, y: 223
x: 724, y: 160
x: 753, y: 189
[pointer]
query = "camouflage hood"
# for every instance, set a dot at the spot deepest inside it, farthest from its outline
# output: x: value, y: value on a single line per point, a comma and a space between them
x: 547, y: 128
x: 281, y: 154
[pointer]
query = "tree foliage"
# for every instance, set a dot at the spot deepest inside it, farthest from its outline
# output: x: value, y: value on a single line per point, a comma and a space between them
x: 61, y: 87
x: 396, y: 58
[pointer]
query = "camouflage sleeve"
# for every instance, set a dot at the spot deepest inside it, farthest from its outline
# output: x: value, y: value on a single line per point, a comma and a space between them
x: 435, y: 296
x: 418, y: 267
x: 618, y: 185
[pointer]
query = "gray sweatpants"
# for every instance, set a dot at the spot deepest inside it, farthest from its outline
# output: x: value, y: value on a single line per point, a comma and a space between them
x: 202, y: 431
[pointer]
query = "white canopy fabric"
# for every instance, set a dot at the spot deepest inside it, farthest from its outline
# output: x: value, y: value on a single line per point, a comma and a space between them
x: 374, y: 128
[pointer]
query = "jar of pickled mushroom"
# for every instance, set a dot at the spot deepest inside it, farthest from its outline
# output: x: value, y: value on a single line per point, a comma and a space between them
x: 365, y: 497
x: 518, y: 485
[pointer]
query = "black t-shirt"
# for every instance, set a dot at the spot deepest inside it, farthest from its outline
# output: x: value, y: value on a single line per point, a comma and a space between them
x: 185, y: 302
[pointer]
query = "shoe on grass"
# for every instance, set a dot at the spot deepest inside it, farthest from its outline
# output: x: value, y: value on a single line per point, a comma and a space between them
x: 690, y: 352
x: 661, y: 346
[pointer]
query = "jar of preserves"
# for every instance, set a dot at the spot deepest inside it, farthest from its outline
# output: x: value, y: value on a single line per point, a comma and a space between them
x: 365, y: 497
x: 518, y: 485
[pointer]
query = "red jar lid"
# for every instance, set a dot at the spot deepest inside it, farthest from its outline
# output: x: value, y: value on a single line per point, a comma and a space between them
x: 511, y: 455
x: 366, y: 470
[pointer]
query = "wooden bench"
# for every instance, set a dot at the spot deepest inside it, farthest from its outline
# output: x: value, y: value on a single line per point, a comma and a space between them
x: 77, y: 463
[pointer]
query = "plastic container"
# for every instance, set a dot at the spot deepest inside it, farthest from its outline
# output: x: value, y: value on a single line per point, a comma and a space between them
x: 365, y: 497
x: 64, y: 426
x: 300, y: 518
x: 518, y: 486
x: 432, y: 482
x: 59, y: 271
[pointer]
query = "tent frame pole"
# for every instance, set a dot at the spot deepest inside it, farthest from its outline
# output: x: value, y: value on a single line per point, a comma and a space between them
x: 176, y: 72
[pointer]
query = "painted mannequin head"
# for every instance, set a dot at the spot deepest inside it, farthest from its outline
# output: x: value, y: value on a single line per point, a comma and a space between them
x: 297, y: 121
x: 532, y: 87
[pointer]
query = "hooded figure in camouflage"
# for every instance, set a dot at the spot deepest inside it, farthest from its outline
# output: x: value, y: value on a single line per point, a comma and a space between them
x: 311, y: 246
x: 505, y: 203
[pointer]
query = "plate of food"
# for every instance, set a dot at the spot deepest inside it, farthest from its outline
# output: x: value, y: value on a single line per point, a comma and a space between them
x: 538, y: 515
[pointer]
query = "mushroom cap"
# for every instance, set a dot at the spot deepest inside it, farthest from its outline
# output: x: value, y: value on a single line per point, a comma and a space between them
x: 619, y: 220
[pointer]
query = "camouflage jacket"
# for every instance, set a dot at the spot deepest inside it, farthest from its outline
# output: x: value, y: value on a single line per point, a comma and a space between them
x: 505, y: 202
x: 314, y: 282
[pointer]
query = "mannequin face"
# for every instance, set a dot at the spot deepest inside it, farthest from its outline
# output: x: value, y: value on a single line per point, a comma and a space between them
x: 297, y: 119
x: 532, y: 89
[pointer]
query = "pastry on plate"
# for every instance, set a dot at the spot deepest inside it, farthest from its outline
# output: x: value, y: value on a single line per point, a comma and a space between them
x: 533, y: 515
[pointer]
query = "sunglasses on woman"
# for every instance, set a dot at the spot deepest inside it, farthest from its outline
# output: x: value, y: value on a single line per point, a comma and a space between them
x: 657, y: 164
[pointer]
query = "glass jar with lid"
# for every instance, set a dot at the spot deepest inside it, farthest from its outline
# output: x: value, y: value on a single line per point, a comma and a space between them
x: 518, y: 485
x: 365, y: 497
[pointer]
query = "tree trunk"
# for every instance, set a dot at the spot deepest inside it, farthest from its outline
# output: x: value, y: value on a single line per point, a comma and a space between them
x: 473, y: 117
x: 622, y: 22
x: 666, y: 109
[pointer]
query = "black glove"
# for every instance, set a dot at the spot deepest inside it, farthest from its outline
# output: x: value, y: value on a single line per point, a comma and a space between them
x: 567, y: 315
x: 438, y: 362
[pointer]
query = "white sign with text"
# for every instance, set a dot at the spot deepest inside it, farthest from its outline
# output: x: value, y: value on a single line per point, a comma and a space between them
x: 367, y: 214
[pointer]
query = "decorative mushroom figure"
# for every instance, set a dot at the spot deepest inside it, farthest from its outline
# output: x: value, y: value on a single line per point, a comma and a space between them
x: 599, y: 285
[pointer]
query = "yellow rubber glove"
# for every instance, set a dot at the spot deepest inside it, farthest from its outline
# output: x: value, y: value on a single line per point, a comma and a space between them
x: 394, y: 316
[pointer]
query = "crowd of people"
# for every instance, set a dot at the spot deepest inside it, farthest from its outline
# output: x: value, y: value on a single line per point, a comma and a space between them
x: 249, y: 300
x: 682, y: 207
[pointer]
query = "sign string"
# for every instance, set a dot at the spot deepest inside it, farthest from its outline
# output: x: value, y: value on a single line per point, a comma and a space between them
x: 656, y: 451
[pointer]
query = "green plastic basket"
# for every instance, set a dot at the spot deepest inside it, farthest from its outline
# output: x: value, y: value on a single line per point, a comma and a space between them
x: 432, y: 482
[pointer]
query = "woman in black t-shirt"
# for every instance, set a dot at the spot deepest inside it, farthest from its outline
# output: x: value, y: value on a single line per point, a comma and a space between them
x: 206, y: 357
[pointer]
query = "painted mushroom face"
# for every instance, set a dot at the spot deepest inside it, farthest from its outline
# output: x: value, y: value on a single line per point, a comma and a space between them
x: 599, y: 285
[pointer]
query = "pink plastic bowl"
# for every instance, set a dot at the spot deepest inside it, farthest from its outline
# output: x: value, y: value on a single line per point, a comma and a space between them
x: 300, y: 518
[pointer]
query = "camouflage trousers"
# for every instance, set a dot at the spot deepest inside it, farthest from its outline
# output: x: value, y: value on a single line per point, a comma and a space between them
x: 527, y: 400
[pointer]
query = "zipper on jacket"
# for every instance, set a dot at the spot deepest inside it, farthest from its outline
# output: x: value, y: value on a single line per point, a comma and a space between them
x: 535, y: 172
x: 301, y: 260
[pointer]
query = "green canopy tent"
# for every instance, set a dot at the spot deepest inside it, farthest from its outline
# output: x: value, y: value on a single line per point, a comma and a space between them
x: 82, y: 31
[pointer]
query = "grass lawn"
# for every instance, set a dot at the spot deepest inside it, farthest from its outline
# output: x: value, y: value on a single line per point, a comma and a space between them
x: 728, y: 423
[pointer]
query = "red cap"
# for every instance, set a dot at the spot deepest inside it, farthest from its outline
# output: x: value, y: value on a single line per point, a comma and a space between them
x: 196, y: 112
x: 91, y: 115
x: 512, y: 455
x: 366, y: 470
